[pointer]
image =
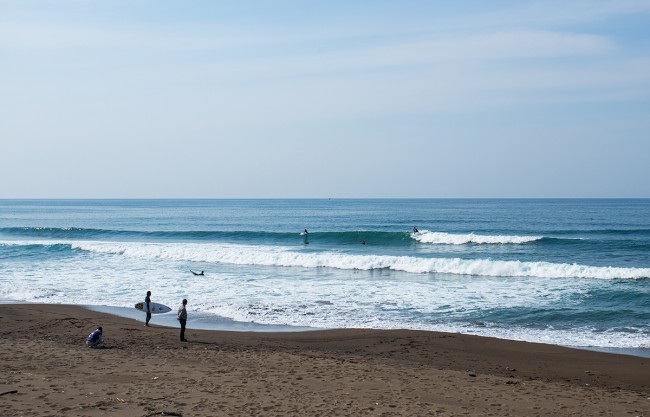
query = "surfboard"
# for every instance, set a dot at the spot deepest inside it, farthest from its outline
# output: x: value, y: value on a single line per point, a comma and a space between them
x: 156, y: 308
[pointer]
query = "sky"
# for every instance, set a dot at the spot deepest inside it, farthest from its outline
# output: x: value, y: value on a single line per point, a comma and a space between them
x: 324, y: 99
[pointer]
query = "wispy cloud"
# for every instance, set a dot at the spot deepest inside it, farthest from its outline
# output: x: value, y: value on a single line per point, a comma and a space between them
x: 568, y: 12
x: 535, y: 15
x: 478, y: 63
x: 66, y: 36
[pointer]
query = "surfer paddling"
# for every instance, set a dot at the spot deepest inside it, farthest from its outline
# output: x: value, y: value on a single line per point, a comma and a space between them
x: 197, y: 273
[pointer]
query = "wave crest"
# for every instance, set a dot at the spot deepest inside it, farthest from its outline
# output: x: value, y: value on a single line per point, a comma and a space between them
x: 284, y: 256
x: 442, y: 238
x: 288, y: 257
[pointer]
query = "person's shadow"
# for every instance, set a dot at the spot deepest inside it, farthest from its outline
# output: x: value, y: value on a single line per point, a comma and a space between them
x: 201, y: 342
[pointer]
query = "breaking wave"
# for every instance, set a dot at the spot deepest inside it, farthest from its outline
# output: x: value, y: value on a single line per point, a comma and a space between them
x: 289, y: 257
x: 441, y: 238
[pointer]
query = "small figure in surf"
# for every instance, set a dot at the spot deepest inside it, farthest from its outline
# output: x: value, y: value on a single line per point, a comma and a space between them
x: 363, y: 242
x: 197, y: 273
x: 305, y: 237
x: 415, y: 229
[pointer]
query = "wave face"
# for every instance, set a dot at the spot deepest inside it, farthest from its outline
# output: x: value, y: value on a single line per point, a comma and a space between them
x: 442, y: 238
x: 341, y: 237
x: 573, y: 272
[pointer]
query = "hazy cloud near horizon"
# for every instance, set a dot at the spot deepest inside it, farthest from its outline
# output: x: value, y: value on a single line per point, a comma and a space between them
x: 341, y: 99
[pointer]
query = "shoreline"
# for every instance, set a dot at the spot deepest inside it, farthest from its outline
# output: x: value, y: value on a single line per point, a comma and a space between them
x: 144, y: 370
x: 205, y: 322
x: 230, y: 325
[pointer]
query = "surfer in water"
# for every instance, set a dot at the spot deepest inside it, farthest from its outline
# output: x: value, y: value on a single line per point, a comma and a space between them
x: 305, y: 237
x: 197, y: 273
x: 415, y: 229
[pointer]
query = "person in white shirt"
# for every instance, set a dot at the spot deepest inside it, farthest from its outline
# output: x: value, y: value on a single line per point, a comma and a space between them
x: 182, y: 318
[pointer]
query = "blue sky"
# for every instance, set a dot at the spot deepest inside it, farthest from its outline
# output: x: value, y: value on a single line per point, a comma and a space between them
x: 275, y: 99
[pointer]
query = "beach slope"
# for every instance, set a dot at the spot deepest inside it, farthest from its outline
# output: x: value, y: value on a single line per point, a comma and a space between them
x: 48, y: 370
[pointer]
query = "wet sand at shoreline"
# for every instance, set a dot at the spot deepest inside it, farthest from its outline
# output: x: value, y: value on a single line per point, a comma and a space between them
x: 145, y: 371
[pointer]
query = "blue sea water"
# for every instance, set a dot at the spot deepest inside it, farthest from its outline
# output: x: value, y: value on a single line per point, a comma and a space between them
x: 568, y: 272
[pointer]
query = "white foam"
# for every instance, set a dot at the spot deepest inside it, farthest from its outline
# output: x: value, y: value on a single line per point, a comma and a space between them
x: 441, y: 238
x: 119, y: 274
x: 291, y: 257
x: 288, y: 257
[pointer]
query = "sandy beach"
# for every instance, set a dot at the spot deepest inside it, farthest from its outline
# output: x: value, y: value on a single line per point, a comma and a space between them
x: 145, y: 371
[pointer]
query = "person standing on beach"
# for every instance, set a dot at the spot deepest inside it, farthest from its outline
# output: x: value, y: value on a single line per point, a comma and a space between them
x: 182, y: 318
x: 147, y: 307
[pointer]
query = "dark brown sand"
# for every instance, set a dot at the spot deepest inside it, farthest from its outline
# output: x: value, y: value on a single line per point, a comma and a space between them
x: 47, y: 370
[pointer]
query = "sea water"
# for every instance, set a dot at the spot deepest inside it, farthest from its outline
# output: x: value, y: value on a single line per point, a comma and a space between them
x: 567, y: 272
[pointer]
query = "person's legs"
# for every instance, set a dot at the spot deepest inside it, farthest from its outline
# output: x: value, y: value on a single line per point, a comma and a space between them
x: 148, y: 318
x: 182, y: 329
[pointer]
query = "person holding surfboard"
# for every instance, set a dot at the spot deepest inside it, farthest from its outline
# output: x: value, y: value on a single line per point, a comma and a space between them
x: 182, y: 318
x: 147, y: 307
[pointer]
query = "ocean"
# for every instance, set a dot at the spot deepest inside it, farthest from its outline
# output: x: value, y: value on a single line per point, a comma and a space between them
x: 568, y: 272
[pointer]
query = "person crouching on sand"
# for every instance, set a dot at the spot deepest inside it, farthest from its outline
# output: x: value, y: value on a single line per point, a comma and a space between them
x: 95, y: 338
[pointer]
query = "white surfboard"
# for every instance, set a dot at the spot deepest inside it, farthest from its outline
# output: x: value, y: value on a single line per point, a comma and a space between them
x: 156, y: 308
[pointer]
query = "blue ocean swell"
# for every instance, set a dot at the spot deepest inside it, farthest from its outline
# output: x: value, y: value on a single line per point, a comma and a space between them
x: 37, y: 251
x: 74, y: 233
x: 622, y: 309
x: 342, y: 236
x: 629, y: 249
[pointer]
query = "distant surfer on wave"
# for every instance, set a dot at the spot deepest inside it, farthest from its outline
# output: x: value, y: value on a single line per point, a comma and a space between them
x: 197, y: 273
x: 415, y: 229
x: 305, y: 238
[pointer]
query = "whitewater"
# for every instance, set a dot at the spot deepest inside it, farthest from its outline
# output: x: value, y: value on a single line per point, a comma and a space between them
x: 570, y: 272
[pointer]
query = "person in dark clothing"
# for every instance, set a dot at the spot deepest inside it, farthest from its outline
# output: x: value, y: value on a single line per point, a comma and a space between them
x: 147, y: 307
x: 95, y: 338
x: 182, y: 318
